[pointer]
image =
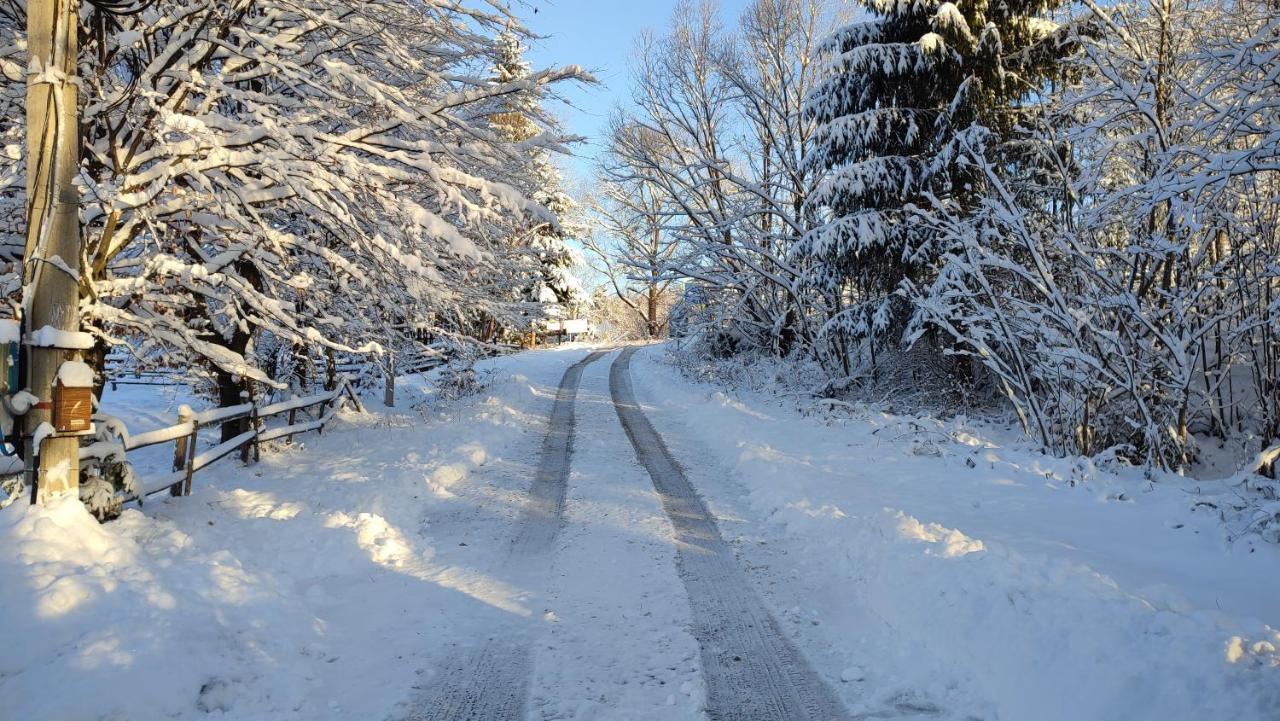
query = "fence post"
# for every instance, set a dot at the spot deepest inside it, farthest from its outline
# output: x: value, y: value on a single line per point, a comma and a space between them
x: 180, y: 453
x: 253, y: 426
x: 293, y: 418
x: 191, y: 457
x: 351, y: 393
x: 257, y: 432
x: 389, y: 398
x: 324, y: 410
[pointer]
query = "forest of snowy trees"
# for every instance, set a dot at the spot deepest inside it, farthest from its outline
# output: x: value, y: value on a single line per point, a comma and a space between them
x: 1069, y: 208
x: 913, y: 359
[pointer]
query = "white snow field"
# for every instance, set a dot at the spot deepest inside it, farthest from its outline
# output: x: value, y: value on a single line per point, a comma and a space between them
x: 921, y: 569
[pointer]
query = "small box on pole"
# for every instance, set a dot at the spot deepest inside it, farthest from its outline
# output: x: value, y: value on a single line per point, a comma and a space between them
x: 72, y: 409
x: 73, y: 398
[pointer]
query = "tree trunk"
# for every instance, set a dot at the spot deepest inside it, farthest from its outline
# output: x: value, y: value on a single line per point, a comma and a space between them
x: 234, y: 389
x: 652, y: 318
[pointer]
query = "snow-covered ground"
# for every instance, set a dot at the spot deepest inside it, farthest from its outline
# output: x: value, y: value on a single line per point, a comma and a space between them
x: 319, y: 584
x: 951, y: 560
x: 926, y: 569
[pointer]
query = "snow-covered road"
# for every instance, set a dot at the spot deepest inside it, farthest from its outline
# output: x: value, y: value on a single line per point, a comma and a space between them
x: 751, y: 669
x: 593, y: 537
x: 491, y: 683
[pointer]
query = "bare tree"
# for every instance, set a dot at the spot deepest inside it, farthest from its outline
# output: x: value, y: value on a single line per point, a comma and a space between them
x: 633, y: 250
x: 719, y: 131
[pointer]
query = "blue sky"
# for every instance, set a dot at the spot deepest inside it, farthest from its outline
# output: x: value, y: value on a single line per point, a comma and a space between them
x: 599, y: 35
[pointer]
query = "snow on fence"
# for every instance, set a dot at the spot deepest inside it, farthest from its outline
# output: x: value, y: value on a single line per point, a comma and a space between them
x: 184, y: 434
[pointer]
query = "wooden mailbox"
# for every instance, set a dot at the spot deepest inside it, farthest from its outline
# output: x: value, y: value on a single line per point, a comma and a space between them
x: 72, y: 409
x: 73, y: 398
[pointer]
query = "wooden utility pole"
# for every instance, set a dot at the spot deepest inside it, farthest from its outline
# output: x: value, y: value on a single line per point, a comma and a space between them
x: 51, y: 263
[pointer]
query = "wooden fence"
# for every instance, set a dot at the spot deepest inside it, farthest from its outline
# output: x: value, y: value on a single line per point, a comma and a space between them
x: 139, y: 377
x: 185, y: 434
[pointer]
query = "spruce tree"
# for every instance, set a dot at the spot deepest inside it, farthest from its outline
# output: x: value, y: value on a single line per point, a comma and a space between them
x: 902, y: 90
x: 540, y: 180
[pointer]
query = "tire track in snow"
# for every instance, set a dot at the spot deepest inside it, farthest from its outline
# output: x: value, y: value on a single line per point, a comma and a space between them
x: 751, y: 671
x: 544, y: 510
x: 617, y: 643
x: 492, y: 682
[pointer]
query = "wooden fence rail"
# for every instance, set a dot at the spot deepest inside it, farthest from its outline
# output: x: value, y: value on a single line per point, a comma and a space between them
x: 184, y: 434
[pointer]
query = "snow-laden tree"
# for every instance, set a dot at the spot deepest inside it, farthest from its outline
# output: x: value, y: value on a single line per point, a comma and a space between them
x: 522, y: 120
x: 319, y: 172
x: 902, y: 86
x: 1135, y: 307
x: 717, y: 132
x: 774, y: 71
x: 633, y: 252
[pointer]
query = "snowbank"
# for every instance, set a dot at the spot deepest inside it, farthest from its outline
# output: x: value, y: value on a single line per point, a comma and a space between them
x: 951, y: 560
x: 317, y: 585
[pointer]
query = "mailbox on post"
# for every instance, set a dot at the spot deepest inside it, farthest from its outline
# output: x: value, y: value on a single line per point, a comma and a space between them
x: 73, y: 398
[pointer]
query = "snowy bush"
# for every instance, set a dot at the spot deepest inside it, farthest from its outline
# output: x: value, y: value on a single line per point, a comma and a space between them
x: 107, y: 478
x: 11, y: 488
x: 98, y: 494
x: 1137, y: 308
x: 459, y: 380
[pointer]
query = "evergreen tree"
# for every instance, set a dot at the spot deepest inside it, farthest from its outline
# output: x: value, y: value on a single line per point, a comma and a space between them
x: 519, y: 122
x: 903, y: 90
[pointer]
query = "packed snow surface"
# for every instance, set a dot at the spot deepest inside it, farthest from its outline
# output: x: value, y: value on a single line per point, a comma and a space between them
x: 926, y: 569
x: 956, y: 563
